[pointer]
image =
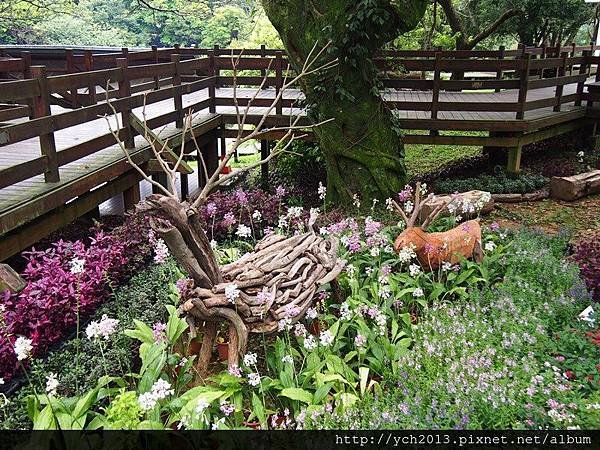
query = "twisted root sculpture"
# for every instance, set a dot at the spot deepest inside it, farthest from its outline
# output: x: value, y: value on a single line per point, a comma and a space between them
x: 275, y: 282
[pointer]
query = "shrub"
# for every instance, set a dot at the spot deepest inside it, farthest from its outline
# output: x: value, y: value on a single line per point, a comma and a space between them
x: 59, y: 294
x: 301, y: 170
x: 587, y: 257
x: 500, y: 183
x: 142, y: 298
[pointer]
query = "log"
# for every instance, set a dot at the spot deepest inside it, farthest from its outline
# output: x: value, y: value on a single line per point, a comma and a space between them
x: 473, y: 196
x: 576, y: 186
x: 10, y: 280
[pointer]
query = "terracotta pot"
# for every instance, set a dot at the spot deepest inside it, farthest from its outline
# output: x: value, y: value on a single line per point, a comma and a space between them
x: 277, y: 419
x: 315, y: 327
x: 253, y: 425
x: 223, y: 349
x: 194, y: 347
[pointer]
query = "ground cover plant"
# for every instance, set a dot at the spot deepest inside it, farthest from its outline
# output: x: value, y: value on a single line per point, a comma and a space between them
x: 60, y: 293
x: 400, y: 329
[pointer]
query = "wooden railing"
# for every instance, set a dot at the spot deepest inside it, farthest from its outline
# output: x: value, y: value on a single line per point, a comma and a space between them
x: 129, y: 78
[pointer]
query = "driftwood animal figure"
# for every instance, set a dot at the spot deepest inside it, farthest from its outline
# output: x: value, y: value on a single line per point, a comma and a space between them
x: 274, y: 283
x: 435, y: 249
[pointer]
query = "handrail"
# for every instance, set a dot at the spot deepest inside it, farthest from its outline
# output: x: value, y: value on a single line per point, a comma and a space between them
x: 171, y: 73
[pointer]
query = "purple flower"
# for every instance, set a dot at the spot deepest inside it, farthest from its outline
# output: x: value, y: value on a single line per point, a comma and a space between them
x: 229, y: 220
x: 279, y: 191
x: 353, y: 243
x: 241, y: 196
x: 371, y: 226
x: 158, y: 331
x: 494, y: 226
x: 211, y: 209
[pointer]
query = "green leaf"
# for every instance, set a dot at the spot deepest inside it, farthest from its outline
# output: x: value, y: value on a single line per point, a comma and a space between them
x: 321, y: 393
x: 175, y: 325
x: 259, y: 409
x: 364, y: 377
x: 45, y: 419
x: 142, y: 332
x: 297, y: 394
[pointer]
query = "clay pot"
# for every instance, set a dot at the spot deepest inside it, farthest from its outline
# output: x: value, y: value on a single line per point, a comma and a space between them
x: 194, y: 347
x: 253, y: 425
x: 223, y: 350
x: 315, y: 327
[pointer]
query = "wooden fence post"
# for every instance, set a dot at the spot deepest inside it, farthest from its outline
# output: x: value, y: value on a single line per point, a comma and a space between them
x: 435, y: 93
x: 88, y: 59
x: 559, y: 87
x: 581, y: 84
x: 217, y: 73
x: 155, y: 61
x: 523, y: 85
x: 70, y: 67
x: 499, y: 73
x: 131, y: 196
x: 279, y: 80
x: 26, y: 57
x: 177, y: 97
x: 212, y: 87
x: 543, y: 56
x: 572, y: 56
x: 41, y: 108
x: 125, y: 91
x: 263, y: 54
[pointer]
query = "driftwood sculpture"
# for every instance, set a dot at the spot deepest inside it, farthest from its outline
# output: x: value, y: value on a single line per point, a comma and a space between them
x: 274, y: 283
x: 435, y: 249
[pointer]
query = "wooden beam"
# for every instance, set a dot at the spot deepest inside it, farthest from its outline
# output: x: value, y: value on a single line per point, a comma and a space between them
x: 32, y: 232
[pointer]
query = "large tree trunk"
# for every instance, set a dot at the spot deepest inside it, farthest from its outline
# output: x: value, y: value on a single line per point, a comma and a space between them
x: 363, y: 147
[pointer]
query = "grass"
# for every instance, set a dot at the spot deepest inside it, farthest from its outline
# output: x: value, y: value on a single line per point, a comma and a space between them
x: 422, y: 159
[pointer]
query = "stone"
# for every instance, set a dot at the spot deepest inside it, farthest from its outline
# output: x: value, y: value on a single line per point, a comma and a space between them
x: 10, y: 280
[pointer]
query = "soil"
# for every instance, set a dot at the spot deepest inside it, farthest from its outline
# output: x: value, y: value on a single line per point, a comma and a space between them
x: 581, y: 217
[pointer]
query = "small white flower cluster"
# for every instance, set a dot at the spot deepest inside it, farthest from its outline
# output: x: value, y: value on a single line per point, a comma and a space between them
x: 77, y: 265
x: 161, y: 251
x: 243, y: 231
x: 310, y: 343
x: 322, y: 191
x: 287, y: 359
x: 160, y: 390
x: 51, y: 384
x: 414, y: 270
x: 314, y: 214
x: 232, y: 293
x: 256, y: 215
x: 254, y: 379
x: 490, y: 246
x: 345, y: 313
x: 326, y: 338
x: 418, y: 293
x: 406, y: 254
x: 580, y: 156
x: 356, y: 201
x: 23, y: 348
x: 312, y: 313
x: 102, y: 329
x: 250, y: 359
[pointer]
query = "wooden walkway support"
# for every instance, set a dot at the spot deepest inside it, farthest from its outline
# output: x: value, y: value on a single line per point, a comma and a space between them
x: 58, y: 159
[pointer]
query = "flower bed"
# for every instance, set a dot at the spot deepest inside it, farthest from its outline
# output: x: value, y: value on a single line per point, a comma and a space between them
x: 65, y: 284
x: 490, y: 344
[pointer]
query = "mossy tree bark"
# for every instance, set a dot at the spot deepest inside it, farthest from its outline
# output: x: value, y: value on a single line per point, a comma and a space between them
x: 363, y: 147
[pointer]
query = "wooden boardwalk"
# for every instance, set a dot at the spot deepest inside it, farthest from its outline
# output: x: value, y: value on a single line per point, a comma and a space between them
x: 92, y: 169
